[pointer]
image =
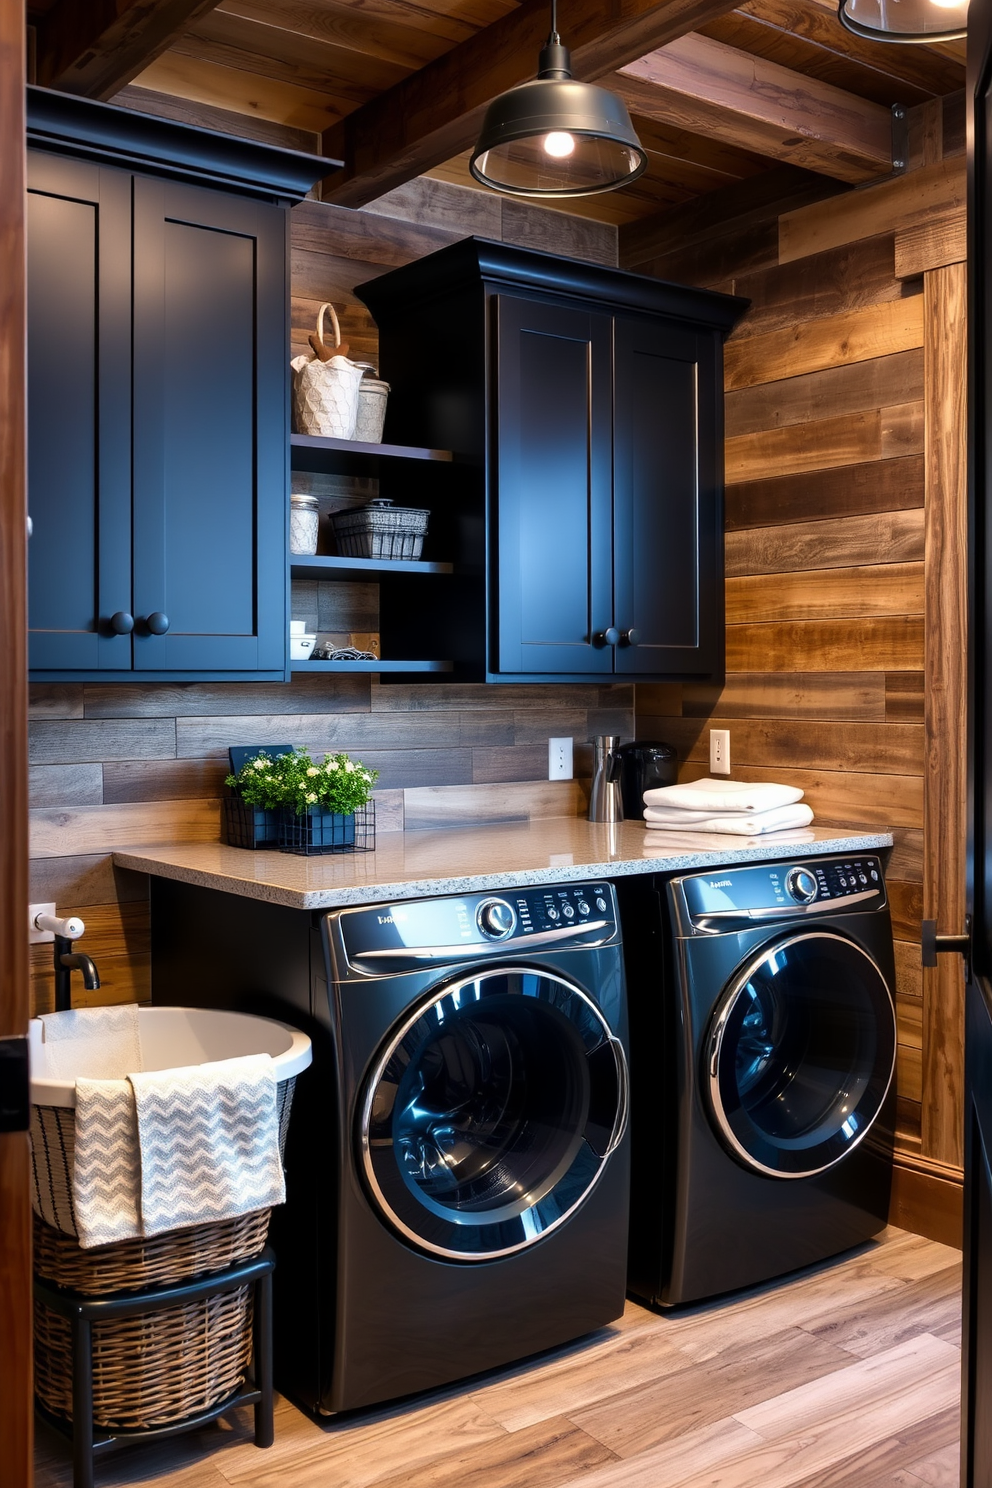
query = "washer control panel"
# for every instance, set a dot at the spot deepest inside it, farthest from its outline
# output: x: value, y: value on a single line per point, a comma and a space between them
x: 734, y: 897
x: 397, y: 936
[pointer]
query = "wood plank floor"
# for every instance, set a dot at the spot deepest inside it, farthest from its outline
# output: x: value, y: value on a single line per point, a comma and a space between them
x: 847, y: 1376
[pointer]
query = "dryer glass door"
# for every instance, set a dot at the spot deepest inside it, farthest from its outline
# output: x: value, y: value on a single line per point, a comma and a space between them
x: 491, y: 1112
x: 800, y: 1055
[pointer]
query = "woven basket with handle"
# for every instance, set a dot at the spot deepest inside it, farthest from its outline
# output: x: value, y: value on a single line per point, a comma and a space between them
x: 325, y: 393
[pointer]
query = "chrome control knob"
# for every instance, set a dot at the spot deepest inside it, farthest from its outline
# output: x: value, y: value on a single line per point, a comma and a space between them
x: 496, y: 919
x: 801, y: 885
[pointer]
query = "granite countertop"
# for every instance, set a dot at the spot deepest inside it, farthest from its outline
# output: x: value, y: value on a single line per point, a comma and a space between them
x: 408, y: 865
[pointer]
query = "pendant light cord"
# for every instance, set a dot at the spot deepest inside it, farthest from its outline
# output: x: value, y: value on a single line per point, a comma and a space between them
x: 554, y: 39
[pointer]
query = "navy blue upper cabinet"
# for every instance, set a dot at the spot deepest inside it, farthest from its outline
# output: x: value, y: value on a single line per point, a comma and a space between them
x: 157, y: 410
x: 585, y: 406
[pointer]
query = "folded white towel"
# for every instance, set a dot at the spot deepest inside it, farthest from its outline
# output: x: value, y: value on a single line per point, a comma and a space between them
x: 103, y: 1041
x: 662, y: 844
x: 209, y: 1142
x: 720, y: 797
x: 742, y: 825
x: 106, y: 1170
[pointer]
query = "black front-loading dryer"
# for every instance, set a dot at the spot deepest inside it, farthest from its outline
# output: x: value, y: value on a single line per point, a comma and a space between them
x: 459, y: 1175
x: 764, y: 1040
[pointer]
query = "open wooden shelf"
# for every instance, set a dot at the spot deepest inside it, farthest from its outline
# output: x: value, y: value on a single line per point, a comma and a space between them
x: 319, y: 567
x: 353, y: 456
x: 372, y: 666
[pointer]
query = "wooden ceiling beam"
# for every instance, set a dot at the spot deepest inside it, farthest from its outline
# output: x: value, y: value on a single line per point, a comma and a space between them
x: 717, y: 91
x: 436, y: 113
x: 95, y: 48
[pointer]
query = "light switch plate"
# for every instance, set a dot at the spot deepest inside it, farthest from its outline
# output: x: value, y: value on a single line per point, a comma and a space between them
x: 37, y: 937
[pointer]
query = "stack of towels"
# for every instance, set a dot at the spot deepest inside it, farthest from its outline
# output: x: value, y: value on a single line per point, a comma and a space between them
x: 725, y: 806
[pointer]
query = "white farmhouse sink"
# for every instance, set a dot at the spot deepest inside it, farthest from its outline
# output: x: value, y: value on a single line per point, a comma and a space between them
x: 170, y: 1037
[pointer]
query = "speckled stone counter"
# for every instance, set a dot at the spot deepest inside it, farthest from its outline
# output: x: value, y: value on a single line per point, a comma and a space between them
x: 408, y: 865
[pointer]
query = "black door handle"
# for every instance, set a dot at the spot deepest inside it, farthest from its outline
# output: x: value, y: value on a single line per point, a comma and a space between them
x: 122, y: 623
x: 157, y: 622
x: 934, y: 945
x: 606, y: 637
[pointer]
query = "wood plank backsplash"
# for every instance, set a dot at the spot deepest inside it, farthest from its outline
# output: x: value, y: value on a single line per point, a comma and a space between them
x: 830, y: 619
x: 126, y: 763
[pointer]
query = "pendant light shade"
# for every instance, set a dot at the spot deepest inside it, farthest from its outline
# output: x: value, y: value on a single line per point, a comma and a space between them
x: 556, y: 137
x: 905, y: 20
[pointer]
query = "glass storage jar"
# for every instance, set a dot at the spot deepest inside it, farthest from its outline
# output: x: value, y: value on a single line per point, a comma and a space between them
x: 304, y: 520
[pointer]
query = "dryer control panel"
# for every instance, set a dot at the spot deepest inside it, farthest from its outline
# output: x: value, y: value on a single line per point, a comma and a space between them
x: 728, y: 899
x: 383, y: 939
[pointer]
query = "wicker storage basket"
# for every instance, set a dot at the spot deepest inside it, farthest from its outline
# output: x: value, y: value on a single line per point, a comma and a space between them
x: 158, y: 1368
x: 380, y: 530
x: 53, y: 1148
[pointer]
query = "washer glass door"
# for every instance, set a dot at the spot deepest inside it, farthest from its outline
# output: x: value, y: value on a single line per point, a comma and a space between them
x: 800, y: 1055
x: 491, y: 1112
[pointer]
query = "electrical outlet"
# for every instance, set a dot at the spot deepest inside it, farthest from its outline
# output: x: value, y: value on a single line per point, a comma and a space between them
x: 719, y: 751
x: 559, y: 759
x: 36, y: 937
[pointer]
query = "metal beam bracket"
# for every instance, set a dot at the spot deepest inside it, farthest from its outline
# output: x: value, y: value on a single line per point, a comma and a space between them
x: 900, y: 139
x: 15, y: 1085
x: 935, y: 945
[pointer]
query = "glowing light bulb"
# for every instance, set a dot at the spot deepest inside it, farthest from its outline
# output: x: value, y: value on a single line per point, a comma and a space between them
x: 558, y: 144
x: 949, y: 4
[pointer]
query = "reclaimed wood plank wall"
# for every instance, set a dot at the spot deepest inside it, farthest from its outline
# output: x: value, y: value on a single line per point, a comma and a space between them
x: 121, y: 764
x: 846, y: 568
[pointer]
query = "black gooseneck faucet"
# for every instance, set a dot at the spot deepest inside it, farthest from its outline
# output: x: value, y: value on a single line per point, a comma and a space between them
x: 66, y: 959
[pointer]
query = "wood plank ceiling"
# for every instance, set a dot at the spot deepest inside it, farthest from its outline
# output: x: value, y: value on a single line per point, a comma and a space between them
x: 771, y: 102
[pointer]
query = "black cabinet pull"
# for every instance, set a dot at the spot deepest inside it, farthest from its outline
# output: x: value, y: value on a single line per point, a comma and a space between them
x: 606, y: 637
x: 629, y: 637
x: 122, y: 623
x: 157, y: 623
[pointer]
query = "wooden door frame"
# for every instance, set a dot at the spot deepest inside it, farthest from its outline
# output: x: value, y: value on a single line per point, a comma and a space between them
x: 16, y: 1405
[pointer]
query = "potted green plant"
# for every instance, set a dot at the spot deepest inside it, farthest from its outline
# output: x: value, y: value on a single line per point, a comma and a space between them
x: 246, y: 823
x: 325, y: 807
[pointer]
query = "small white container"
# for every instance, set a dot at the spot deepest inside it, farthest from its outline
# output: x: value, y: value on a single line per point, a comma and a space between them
x: 304, y: 521
x: 300, y: 647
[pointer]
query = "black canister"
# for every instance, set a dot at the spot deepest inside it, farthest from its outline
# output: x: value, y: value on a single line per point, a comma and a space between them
x: 645, y: 765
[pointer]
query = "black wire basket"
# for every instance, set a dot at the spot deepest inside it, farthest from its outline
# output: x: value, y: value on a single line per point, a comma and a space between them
x: 317, y: 831
x: 249, y: 826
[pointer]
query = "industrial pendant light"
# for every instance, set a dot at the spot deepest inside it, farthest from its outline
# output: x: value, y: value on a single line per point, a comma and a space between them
x: 555, y: 137
x: 905, y: 20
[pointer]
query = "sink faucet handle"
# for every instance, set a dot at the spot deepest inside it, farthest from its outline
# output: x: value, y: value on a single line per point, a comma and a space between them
x: 70, y: 928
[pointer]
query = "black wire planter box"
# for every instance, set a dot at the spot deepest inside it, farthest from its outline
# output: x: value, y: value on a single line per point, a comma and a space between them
x: 249, y: 826
x: 317, y: 831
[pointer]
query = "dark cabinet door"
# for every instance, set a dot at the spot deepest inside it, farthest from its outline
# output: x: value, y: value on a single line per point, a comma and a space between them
x: 668, y: 537
x: 79, y: 413
x: 210, y: 430
x: 552, y: 475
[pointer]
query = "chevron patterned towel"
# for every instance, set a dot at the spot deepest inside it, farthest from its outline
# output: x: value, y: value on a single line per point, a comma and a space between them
x: 106, y: 1173
x: 209, y: 1142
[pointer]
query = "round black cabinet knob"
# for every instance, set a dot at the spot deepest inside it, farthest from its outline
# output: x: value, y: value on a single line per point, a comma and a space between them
x: 606, y: 637
x: 496, y: 918
x: 122, y: 623
x: 801, y: 885
x: 157, y: 623
x: 629, y: 637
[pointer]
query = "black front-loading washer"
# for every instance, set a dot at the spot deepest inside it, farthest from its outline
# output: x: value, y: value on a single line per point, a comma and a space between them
x: 458, y: 1185
x: 763, y: 1038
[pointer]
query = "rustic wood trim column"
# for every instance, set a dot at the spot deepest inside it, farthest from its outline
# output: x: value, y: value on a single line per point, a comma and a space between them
x: 16, y: 1404
x: 945, y: 770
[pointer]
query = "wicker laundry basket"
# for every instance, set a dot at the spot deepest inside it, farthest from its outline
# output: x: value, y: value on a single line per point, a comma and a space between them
x: 161, y: 1367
